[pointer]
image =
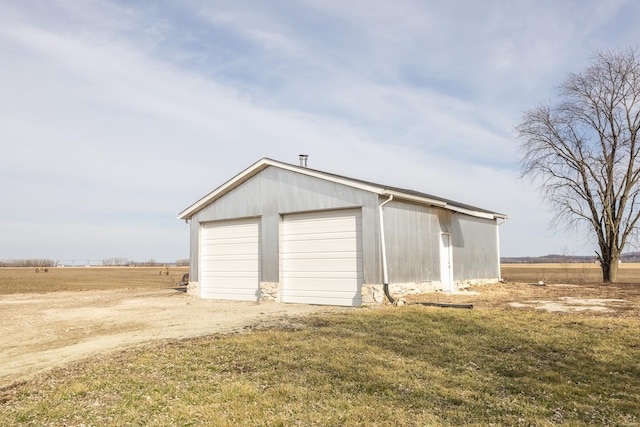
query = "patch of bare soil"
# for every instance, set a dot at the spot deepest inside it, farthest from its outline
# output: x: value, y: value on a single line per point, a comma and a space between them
x: 575, y: 304
x: 42, y: 331
x: 620, y: 299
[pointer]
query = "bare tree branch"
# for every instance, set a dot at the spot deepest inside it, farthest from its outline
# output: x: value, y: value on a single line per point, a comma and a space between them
x: 584, y: 152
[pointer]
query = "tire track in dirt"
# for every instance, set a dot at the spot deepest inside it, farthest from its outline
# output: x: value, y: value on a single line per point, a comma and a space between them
x: 42, y: 331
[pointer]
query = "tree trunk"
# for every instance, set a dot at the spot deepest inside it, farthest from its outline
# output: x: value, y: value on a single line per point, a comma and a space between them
x: 613, y: 270
x: 610, y: 270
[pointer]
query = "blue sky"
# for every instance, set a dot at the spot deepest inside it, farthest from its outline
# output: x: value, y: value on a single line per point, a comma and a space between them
x: 115, y: 116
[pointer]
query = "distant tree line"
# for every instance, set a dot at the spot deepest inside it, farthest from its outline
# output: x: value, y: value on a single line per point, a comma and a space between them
x: 34, y: 262
x: 111, y: 262
x: 566, y: 259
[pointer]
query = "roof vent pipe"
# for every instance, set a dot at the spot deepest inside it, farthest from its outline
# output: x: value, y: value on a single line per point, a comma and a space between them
x: 303, y: 160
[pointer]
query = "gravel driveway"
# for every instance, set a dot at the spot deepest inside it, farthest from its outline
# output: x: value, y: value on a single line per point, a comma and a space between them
x: 42, y: 331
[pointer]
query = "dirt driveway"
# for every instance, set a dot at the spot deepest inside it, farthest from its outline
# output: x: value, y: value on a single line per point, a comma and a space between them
x: 42, y: 331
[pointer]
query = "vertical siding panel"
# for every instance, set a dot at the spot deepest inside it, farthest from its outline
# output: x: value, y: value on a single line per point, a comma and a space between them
x: 194, y: 251
x: 371, y: 255
x: 269, y: 248
x: 412, y: 234
x: 475, y: 252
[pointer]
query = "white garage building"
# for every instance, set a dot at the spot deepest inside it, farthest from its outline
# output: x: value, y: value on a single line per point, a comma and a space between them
x: 289, y: 233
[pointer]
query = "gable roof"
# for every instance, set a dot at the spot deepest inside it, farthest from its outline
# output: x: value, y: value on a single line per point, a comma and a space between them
x: 383, y: 190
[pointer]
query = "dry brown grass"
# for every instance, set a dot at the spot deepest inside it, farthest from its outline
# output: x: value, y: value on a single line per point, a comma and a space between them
x: 26, y: 280
x: 563, y: 282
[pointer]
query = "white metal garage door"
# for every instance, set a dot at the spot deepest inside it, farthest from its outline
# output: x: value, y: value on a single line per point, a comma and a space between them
x: 322, y: 257
x: 230, y: 260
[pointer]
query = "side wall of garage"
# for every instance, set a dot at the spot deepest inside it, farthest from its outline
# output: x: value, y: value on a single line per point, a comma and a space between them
x: 412, y: 236
x: 475, y: 249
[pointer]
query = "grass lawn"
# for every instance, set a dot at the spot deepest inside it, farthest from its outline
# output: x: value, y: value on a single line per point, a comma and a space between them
x: 408, y: 365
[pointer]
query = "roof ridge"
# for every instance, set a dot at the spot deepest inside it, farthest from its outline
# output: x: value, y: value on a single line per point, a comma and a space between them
x: 397, y: 189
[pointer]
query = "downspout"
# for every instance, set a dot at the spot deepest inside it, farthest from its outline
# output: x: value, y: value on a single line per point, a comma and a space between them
x: 383, y: 248
x: 385, y: 273
x: 498, y: 224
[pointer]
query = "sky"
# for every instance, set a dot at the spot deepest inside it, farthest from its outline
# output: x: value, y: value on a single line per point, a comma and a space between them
x: 117, y: 115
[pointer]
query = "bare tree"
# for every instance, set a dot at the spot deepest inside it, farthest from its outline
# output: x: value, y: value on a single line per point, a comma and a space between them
x: 584, y: 149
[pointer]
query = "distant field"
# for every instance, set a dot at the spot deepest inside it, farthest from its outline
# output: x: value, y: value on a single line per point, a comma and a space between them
x: 567, y: 273
x: 26, y: 280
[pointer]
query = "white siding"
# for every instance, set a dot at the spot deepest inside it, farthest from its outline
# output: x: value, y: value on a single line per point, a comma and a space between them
x: 322, y: 257
x: 230, y: 260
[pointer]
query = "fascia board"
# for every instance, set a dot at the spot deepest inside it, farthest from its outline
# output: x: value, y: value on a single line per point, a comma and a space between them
x: 225, y: 188
x: 484, y: 215
x: 441, y: 204
x: 417, y: 199
x: 477, y: 214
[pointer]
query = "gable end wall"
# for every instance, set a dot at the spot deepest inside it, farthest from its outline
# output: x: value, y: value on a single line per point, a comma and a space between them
x: 275, y: 192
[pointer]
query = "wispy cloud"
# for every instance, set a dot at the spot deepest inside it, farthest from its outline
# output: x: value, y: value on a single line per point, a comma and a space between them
x: 116, y: 115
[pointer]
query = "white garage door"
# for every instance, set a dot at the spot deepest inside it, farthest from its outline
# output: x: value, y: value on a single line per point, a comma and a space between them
x: 230, y: 260
x: 322, y: 257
